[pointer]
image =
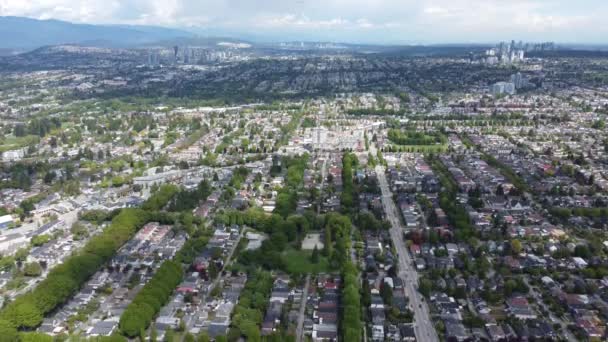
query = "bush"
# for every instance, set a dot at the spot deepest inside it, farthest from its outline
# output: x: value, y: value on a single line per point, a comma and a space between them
x: 32, y: 269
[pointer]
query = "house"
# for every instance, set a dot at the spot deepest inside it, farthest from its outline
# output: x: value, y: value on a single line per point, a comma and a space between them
x: 102, y: 328
x: 520, y: 308
x: 324, y: 332
x: 452, y: 248
x: 579, y: 262
x: 10, y: 243
x: 495, y: 332
x: 219, y: 326
x: 167, y: 323
x: 6, y: 221
x: 407, y: 332
x: 280, y: 295
x: 377, y: 333
x: 455, y: 330
x: 420, y: 264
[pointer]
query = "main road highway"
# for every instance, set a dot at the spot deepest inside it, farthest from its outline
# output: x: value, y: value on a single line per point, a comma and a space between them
x: 423, y: 326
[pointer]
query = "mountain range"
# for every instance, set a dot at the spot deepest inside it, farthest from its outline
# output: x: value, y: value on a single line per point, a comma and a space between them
x: 21, y: 34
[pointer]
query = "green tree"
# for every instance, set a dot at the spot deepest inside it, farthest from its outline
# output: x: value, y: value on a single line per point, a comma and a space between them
x: 40, y: 240
x: 203, y: 337
x: 153, y: 333
x: 32, y: 269
x: 425, y: 286
x: 327, y: 246
x: 582, y: 251
x: 33, y: 337
x: 516, y: 247
x: 78, y: 230
x: 315, y: 255
x: 24, y: 314
x: 8, y: 333
x: 170, y: 336
x: 387, y: 294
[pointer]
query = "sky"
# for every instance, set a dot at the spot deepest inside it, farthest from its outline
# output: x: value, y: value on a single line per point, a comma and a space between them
x: 360, y: 21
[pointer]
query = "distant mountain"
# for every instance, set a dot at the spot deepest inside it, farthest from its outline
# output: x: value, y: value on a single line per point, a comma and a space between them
x: 17, y: 33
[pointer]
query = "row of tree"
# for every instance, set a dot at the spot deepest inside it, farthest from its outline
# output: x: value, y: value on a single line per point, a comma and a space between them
x: 28, y: 310
x: 148, y: 302
x: 513, y: 177
x: 350, y: 324
x: 347, y: 199
x: 566, y: 213
x: 160, y: 197
x: 249, y: 312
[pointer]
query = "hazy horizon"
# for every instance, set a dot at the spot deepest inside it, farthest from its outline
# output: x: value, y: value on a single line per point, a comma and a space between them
x: 355, y: 21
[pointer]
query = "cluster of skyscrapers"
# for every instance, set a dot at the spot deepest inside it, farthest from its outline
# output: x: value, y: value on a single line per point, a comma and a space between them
x: 508, y: 53
x: 517, y: 81
x: 187, y: 55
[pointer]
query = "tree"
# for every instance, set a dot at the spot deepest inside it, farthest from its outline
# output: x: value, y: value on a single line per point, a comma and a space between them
x: 40, y: 240
x: 153, y: 333
x: 8, y: 332
x: 327, y: 246
x: 33, y: 337
x: 582, y: 251
x: 387, y: 294
x: 25, y: 314
x: 170, y: 336
x: 21, y: 254
x: 203, y: 337
x: 425, y: 286
x: 315, y: 255
x: 49, y: 177
x: 78, y: 230
x: 32, y: 269
x: 516, y: 247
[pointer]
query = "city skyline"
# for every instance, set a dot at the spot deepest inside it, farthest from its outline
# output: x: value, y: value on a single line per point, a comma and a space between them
x: 381, y: 22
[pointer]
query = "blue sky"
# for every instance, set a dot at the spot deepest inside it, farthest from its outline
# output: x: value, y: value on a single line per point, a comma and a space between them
x: 376, y: 21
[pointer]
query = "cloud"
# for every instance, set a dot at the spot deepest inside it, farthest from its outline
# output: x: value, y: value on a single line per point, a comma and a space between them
x: 348, y: 20
x: 292, y: 21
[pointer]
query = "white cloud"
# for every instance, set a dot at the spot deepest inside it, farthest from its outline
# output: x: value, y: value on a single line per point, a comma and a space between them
x: 292, y: 21
x: 364, y: 23
x: 432, y: 20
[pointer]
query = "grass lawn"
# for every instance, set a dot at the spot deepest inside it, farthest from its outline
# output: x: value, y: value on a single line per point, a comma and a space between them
x: 13, y: 143
x: 298, y: 262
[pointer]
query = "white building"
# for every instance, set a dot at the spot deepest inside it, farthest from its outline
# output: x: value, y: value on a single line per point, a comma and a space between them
x: 14, y: 155
x: 503, y: 88
x: 10, y: 243
x: 5, y: 221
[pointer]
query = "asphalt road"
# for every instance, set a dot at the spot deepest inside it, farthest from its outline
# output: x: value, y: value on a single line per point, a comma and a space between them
x: 300, y: 328
x: 423, y: 326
